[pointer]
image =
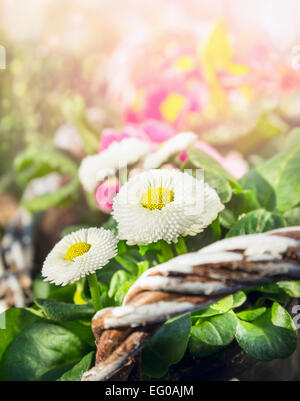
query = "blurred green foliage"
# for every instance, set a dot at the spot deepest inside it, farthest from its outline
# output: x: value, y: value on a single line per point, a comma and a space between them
x: 35, y: 88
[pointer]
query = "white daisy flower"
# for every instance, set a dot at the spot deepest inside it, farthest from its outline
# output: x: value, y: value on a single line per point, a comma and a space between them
x: 96, y: 168
x: 164, y: 204
x: 170, y: 148
x: 79, y: 254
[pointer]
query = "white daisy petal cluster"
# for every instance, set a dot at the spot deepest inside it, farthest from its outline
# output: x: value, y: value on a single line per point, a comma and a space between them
x: 79, y: 254
x: 96, y: 168
x: 164, y: 204
x: 169, y: 149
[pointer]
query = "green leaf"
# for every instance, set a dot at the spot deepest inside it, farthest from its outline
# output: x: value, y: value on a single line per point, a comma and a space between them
x: 207, y: 237
x: 270, y: 288
x: 38, y: 161
x: 16, y: 319
x: 127, y: 262
x: 216, y: 330
x: 142, y: 266
x: 41, y: 288
x: 227, y: 218
x: 257, y: 221
x: 262, y: 190
x: 199, y: 159
x: 122, y: 247
x: 282, y: 298
x: 292, y: 288
x: 293, y: 139
x: 166, y: 347
x: 41, y: 349
x: 105, y: 274
x: 214, y: 174
x: 252, y: 314
x: 199, y: 349
x: 282, y: 171
x: 242, y: 202
x: 166, y: 251
x: 211, y: 333
x: 271, y: 292
x: 269, y: 126
x: 56, y: 310
x: 77, y: 371
x: 270, y: 336
x: 119, y: 278
x: 63, y: 294
x: 220, y: 185
x: 154, y: 246
x: 292, y: 217
x: 60, y: 197
x: 82, y: 329
x: 122, y: 281
x: 122, y: 291
x: 238, y: 299
x: 222, y: 306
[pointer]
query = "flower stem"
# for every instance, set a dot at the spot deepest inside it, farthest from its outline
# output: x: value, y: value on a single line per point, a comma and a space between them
x: 180, y: 246
x: 94, y: 289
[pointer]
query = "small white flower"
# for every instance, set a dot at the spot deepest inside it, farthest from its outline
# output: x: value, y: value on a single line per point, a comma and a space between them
x: 96, y: 168
x: 79, y: 254
x: 164, y: 204
x: 169, y: 149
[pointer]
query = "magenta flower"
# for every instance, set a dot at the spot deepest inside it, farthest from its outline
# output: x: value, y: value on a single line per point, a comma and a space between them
x: 105, y: 193
x: 157, y: 131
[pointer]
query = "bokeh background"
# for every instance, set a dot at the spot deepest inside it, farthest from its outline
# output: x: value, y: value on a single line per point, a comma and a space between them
x: 228, y: 70
x: 57, y: 49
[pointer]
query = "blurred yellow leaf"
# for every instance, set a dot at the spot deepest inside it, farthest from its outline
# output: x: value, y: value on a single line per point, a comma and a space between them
x: 217, y: 56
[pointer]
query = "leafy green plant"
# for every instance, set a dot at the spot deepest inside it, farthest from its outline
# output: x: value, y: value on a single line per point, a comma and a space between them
x: 52, y: 340
x: 166, y: 347
x: 36, y: 162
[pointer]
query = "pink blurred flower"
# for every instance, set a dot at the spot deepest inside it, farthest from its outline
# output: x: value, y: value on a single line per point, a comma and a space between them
x: 105, y: 193
x: 110, y: 135
x: 169, y: 100
x: 151, y: 131
x: 233, y: 162
x: 157, y: 131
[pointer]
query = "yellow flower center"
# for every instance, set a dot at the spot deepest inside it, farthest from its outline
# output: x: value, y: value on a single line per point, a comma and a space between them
x: 185, y: 63
x: 171, y: 107
x: 77, y: 249
x: 157, y: 198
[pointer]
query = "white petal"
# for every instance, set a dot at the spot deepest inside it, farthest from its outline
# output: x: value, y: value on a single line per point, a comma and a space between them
x: 170, y: 148
x: 96, y: 168
x: 60, y: 271
x: 194, y: 207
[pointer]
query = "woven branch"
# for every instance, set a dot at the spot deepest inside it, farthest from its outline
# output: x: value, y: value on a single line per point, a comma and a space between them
x: 16, y: 261
x: 184, y: 284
